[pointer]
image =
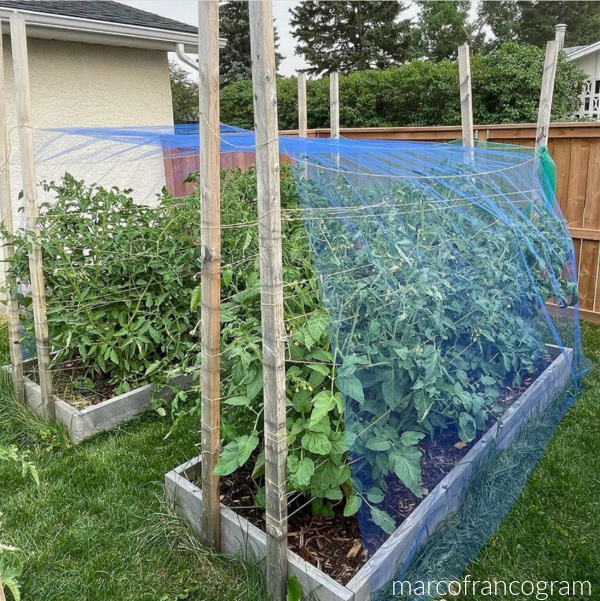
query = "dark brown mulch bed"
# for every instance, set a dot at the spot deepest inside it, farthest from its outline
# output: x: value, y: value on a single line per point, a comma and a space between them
x: 68, y: 385
x: 335, y: 545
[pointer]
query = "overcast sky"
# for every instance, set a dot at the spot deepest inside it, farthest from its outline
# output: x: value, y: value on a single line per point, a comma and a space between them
x: 186, y: 11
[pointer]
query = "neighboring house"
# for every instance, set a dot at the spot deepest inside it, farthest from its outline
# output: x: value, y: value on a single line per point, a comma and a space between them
x: 587, y: 58
x: 97, y: 64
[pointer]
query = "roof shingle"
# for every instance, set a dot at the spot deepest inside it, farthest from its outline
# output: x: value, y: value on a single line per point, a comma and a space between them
x: 100, y: 10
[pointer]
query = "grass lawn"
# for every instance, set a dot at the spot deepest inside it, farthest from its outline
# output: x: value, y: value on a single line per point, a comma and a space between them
x: 96, y: 529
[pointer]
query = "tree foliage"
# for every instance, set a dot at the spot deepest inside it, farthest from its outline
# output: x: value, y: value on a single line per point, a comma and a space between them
x: 235, y: 60
x: 533, y: 22
x: 184, y: 93
x: 442, y: 27
x: 350, y: 36
x: 506, y: 89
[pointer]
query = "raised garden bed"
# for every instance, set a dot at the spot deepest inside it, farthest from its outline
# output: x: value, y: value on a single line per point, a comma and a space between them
x: 240, y: 536
x: 85, y: 422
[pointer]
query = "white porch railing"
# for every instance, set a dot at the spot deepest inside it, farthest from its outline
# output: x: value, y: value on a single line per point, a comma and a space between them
x: 590, y: 101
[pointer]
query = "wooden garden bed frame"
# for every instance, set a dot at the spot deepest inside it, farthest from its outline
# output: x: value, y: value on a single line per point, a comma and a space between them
x: 82, y: 424
x: 240, y: 537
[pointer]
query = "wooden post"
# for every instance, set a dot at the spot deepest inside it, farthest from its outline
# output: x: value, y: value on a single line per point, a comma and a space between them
x: 466, y: 97
x: 302, y: 114
x: 18, y: 38
x: 271, y: 281
x: 334, y: 104
x: 545, y: 110
x: 559, y: 35
x: 6, y: 215
x: 210, y: 234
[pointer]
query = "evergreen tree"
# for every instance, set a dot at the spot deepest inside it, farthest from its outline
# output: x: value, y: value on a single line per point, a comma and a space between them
x: 533, y: 22
x: 234, y: 25
x: 184, y: 93
x: 442, y: 27
x: 350, y: 36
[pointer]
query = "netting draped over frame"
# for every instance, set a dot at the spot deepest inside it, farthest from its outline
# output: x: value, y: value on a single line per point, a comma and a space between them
x: 449, y: 279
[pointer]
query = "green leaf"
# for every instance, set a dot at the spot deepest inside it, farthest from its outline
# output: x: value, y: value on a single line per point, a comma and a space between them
x: 411, y: 438
x: 294, y: 589
x: 406, y: 463
x: 352, y: 505
x: 467, y: 428
x: 323, y: 403
x: 300, y: 478
x: 196, y: 297
x: 350, y: 386
x: 246, y: 446
x: 238, y: 401
x: 377, y: 444
x: 383, y: 520
x: 375, y: 495
x: 317, y: 443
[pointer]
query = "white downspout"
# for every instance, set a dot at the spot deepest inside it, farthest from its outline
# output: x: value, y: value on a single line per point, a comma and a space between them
x: 185, y: 58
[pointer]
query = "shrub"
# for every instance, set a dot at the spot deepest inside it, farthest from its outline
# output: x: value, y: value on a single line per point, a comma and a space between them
x: 506, y: 89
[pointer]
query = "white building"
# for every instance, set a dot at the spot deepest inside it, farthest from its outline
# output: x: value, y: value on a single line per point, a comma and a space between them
x: 94, y: 64
x: 587, y: 58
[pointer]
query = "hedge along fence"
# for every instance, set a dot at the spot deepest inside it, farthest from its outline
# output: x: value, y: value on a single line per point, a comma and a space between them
x: 506, y: 89
x: 575, y: 148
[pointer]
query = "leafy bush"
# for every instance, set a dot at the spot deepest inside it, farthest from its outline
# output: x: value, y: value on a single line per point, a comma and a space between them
x: 119, y: 277
x: 506, y: 89
x: 434, y: 314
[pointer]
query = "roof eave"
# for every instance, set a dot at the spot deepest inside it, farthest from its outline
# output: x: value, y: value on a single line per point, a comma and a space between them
x: 75, y: 29
x: 590, y: 49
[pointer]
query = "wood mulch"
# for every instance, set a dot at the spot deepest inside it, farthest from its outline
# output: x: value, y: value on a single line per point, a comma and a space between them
x: 68, y: 384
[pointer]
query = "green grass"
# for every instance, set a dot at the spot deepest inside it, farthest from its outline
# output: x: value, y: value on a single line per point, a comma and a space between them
x: 553, y: 531
x: 96, y: 529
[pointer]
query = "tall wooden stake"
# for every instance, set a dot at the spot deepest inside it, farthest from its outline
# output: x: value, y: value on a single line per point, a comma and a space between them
x: 466, y: 97
x: 271, y: 281
x: 210, y: 174
x: 545, y: 110
x: 334, y: 104
x: 6, y: 215
x: 18, y: 38
x: 302, y: 114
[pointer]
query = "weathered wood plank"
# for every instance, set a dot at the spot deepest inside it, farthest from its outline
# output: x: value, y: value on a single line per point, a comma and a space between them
x: 271, y: 282
x: 334, y: 104
x: 210, y: 226
x: 546, y: 94
x: 466, y: 96
x: 6, y: 215
x: 18, y: 37
x: 302, y: 113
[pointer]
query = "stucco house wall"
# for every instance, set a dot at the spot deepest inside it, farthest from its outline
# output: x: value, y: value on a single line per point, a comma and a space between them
x: 77, y: 85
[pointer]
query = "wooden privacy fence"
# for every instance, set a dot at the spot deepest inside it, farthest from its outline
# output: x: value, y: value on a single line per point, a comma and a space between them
x: 575, y: 148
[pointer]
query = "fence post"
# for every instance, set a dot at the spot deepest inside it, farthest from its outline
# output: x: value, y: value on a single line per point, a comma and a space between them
x: 6, y: 214
x: 302, y: 115
x: 18, y: 36
x: 210, y: 235
x: 334, y: 104
x: 545, y: 110
x: 271, y: 281
x: 559, y: 35
x: 466, y: 96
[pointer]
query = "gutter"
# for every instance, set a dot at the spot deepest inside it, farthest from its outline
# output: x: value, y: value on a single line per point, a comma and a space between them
x: 51, y: 26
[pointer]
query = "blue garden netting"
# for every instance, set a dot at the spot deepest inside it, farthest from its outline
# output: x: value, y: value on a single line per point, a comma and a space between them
x: 449, y: 278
